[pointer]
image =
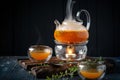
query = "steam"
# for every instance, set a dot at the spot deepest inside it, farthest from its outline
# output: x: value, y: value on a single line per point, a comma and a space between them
x: 69, y: 8
x: 38, y: 35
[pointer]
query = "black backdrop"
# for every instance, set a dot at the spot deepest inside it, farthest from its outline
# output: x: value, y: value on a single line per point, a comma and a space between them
x: 29, y: 22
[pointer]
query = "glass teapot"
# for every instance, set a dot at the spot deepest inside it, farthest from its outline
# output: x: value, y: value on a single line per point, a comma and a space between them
x: 71, y: 36
x: 72, y: 31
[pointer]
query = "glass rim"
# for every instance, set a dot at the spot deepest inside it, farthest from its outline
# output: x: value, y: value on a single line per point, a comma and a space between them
x: 40, y: 46
x: 81, y: 43
x: 92, y: 63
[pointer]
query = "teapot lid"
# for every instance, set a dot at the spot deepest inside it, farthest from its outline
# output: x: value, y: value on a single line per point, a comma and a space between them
x: 71, y: 25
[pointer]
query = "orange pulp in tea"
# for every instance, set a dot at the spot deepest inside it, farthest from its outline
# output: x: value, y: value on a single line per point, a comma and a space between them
x: 71, y: 36
x: 39, y: 55
x: 91, y: 74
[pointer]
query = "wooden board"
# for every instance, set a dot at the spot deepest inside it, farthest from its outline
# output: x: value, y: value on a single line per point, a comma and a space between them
x: 41, y: 69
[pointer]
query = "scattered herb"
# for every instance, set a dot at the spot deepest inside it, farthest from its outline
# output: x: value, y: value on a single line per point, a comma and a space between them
x: 92, y: 62
x: 70, y: 72
x: 61, y: 62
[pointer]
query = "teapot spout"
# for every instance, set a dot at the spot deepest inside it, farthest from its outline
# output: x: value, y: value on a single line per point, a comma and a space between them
x: 57, y: 23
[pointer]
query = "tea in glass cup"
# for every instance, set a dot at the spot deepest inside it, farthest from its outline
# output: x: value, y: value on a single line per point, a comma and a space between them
x: 91, y: 70
x: 40, y: 53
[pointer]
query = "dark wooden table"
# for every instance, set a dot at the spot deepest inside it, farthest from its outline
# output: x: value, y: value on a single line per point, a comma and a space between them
x: 11, y: 70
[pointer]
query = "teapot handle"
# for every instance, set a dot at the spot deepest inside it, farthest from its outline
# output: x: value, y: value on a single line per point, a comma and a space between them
x: 87, y: 16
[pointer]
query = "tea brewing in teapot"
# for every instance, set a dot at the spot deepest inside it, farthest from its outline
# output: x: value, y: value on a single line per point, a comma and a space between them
x: 71, y: 31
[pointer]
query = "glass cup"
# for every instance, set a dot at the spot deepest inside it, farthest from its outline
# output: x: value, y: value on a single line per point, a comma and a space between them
x: 91, y: 71
x: 38, y: 53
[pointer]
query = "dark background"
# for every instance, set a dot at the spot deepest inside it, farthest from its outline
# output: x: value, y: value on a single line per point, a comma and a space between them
x: 29, y: 22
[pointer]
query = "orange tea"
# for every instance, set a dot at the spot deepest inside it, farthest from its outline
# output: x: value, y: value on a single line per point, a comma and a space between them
x: 71, y: 36
x: 39, y: 55
x: 91, y: 74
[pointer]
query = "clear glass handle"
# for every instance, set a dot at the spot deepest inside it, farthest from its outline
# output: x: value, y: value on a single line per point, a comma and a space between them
x: 87, y: 15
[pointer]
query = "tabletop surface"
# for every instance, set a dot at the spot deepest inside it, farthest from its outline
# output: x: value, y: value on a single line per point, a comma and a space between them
x: 11, y: 70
